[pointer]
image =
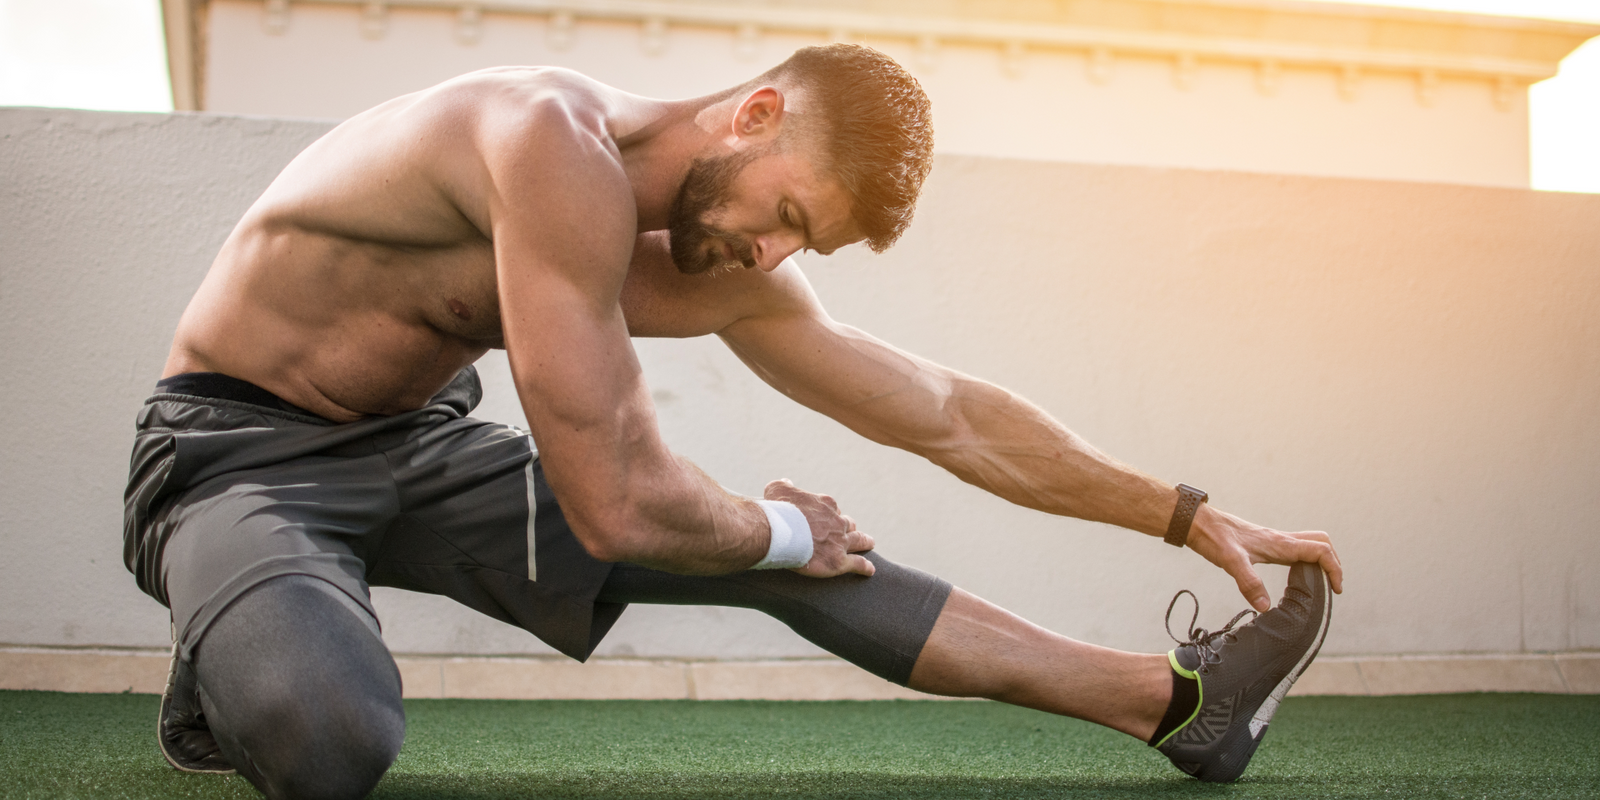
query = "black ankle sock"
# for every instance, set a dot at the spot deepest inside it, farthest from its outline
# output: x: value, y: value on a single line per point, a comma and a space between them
x: 1185, y: 698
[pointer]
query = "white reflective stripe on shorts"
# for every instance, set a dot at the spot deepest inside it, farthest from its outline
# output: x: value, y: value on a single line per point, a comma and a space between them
x: 533, y: 511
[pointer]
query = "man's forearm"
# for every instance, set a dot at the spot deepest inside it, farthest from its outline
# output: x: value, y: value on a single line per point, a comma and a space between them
x: 1012, y: 448
x: 1004, y: 444
x: 690, y: 525
x: 677, y: 519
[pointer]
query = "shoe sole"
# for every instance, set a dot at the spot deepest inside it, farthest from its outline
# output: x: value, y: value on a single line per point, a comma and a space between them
x: 1269, y: 707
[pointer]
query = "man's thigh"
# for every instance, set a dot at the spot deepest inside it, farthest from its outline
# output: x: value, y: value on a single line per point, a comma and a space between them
x: 310, y: 516
x: 478, y: 523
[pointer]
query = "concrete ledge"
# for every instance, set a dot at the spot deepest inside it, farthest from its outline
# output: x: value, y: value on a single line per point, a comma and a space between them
x: 1552, y: 673
x: 63, y: 670
x: 506, y: 678
x: 1581, y: 671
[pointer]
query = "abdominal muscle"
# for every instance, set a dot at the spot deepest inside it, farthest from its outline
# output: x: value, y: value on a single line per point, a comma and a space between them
x: 342, y: 330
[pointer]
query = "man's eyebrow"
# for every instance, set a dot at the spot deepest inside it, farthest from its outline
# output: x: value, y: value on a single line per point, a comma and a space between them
x: 805, y: 225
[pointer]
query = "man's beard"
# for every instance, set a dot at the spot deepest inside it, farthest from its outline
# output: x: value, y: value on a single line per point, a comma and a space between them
x: 705, y: 189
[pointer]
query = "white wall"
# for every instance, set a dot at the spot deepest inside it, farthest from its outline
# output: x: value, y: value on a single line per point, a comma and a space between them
x: 1415, y: 368
x: 107, y: 223
x: 321, y: 65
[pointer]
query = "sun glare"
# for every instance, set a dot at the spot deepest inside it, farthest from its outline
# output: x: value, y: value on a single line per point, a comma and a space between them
x: 1564, y: 111
x: 100, y: 54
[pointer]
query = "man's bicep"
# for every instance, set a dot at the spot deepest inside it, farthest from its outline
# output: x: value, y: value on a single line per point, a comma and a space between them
x: 583, y: 393
x: 561, y: 256
x: 571, y: 358
x: 870, y: 386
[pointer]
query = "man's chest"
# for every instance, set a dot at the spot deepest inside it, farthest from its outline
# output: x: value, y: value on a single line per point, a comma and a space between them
x: 460, y: 296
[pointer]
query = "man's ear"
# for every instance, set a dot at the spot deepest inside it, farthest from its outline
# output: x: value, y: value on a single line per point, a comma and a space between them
x: 760, y: 116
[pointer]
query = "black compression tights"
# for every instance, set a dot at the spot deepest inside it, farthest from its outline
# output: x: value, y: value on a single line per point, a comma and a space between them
x: 299, y: 691
x: 878, y: 623
x: 304, y: 699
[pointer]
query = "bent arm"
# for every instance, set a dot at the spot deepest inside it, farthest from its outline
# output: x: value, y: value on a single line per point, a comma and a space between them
x: 627, y: 497
x: 560, y: 266
x: 986, y: 435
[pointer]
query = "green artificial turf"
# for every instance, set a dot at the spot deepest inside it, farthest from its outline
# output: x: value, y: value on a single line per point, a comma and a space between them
x: 1492, y: 746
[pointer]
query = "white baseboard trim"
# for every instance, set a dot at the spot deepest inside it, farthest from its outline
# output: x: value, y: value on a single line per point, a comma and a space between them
x: 536, y: 678
x: 1552, y: 673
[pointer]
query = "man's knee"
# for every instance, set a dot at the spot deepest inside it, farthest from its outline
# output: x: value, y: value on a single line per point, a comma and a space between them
x: 302, y: 697
x: 879, y: 623
x: 313, y: 745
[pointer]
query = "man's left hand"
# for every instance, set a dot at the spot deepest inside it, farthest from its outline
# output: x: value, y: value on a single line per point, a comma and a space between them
x: 1235, y: 545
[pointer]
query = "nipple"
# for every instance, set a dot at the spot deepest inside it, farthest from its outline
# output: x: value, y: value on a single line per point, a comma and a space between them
x: 459, y: 309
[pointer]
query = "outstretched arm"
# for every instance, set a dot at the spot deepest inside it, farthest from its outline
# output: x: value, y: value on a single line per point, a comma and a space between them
x: 987, y: 436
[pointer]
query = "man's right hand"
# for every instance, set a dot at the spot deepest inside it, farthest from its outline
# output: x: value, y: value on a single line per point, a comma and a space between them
x: 835, y: 542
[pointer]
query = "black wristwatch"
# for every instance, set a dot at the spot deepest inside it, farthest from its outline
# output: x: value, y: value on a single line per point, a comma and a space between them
x: 1189, y: 500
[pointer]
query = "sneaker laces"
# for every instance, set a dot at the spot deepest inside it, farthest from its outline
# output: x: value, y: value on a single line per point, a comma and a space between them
x: 1205, y: 642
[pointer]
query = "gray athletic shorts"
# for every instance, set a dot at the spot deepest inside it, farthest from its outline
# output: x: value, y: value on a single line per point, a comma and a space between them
x: 225, y: 494
x: 230, y: 486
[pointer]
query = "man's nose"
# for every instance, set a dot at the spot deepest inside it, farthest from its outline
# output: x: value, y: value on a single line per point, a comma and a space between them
x: 771, y: 249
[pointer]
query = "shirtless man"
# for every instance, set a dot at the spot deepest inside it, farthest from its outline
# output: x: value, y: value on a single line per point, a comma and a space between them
x: 310, y: 438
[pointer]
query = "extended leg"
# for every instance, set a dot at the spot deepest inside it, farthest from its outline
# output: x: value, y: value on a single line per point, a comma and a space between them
x: 300, y: 692
x: 913, y: 629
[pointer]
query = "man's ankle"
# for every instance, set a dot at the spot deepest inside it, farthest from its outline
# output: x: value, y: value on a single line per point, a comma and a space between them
x: 1155, y: 697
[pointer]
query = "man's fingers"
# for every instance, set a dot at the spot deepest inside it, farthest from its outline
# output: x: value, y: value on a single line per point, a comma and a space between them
x: 859, y: 565
x: 1251, y: 585
x: 1329, y: 560
x: 779, y: 486
x: 1234, y: 545
x: 1315, y: 548
x: 858, y: 542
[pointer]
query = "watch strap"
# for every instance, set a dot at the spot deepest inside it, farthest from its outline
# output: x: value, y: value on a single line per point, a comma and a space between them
x: 1189, y: 500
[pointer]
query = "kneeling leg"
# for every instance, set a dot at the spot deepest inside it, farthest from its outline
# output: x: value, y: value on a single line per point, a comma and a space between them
x: 299, y: 690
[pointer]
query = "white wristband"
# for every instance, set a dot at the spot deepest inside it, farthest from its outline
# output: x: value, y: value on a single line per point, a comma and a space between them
x: 790, y: 547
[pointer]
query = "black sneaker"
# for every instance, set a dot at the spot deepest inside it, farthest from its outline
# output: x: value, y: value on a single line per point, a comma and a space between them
x: 181, y: 728
x: 1243, y: 673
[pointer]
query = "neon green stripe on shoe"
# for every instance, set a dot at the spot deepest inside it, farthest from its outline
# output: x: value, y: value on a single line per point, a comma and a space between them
x: 1200, y: 690
x: 1172, y: 658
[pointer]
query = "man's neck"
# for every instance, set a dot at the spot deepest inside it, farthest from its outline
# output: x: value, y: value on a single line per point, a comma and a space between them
x: 659, y: 140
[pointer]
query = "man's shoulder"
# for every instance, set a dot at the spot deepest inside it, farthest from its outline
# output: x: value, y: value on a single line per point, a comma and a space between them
x: 530, y: 140
x: 501, y: 89
x: 518, y: 106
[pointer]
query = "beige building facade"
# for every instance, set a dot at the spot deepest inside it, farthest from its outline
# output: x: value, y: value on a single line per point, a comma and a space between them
x: 1251, y: 85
